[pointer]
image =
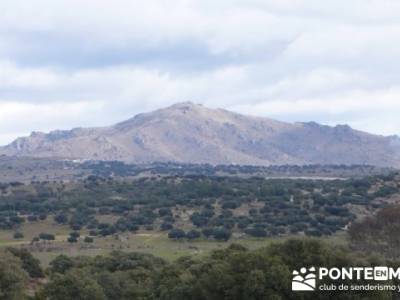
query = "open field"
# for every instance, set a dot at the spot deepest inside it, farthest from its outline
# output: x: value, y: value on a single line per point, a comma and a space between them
x: 152, y: 242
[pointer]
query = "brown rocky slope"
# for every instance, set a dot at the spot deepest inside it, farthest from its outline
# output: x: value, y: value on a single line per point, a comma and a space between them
x: 191, y: 133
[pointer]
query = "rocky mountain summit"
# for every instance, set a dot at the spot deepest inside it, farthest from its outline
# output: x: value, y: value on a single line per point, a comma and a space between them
x: 192, y: 133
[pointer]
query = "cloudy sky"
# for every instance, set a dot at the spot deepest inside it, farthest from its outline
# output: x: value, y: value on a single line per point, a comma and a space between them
x: 69, y: 63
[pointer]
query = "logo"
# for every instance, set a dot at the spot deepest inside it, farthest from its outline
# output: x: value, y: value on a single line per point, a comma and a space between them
x: 381, y: 273
x: 305, y: 280
x: 337, y: 279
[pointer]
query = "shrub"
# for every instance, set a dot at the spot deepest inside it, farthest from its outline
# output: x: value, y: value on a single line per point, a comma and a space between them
x: 193, y: 234
x: 176, y: 234
x: 88, y: 239
x: 47, y: 236
x: 166, y: 226
x: 18, y: 235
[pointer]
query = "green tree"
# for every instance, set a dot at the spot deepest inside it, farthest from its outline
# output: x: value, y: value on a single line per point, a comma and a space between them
x: 12, y: 277
x: 61, y: 264
x: 29, y: 263
x: 75, y: 284
x: 18, y: 235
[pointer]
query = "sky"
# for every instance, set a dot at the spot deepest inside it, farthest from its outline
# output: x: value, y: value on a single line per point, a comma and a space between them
x: 70, y: 63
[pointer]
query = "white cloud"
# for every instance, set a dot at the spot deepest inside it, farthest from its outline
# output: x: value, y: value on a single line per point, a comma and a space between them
x: 19, y: 119
x: 69, y: 63
x: 376, y: 111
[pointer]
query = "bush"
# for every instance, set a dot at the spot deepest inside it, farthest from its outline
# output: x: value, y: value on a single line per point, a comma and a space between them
x: 75, y: 234
x: 164, y: 212
x: 42, y: 217
x: 47, y: 236
x: 88, y: 239
x: 76, y: 227
x: 61, y: 264
x: 18, y: 235
x: 72, y: 239
x: 222, y: 234
x: 193, y: 234
x: 166, y: 226
x: 93, y: 233
x: 256, y: 232
x: 32, y: 218
x: 230, y: 205
x: 176, y: 234
x: 61, y: 218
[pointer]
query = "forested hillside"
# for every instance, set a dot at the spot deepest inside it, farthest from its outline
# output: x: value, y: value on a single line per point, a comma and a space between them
x: 190, y: 236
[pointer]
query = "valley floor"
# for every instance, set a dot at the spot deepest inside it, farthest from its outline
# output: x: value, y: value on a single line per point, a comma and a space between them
x: 152, y: 242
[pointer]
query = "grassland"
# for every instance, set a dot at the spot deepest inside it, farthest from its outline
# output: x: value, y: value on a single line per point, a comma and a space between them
x: 153, y: 242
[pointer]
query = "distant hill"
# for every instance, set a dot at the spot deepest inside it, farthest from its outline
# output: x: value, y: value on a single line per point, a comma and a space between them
x: 191, y: 133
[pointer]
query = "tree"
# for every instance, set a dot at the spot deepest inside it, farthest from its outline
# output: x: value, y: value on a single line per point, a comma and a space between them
x: 93, y: 233
x: 61, y: 218
x: 256, y: 232
x: 166, y: 226
x: 61, y: 264
x: 47, y: 236
x: 176, y: 234
x: 42, y: 217
x: 379, y: 233
x: 29, y: 263
x: 222, y: 234
x: 32, y: 218
x: 75, y: 234
x: 255, y: 285
x: 231, y: 273
x: 164, y: 212
x: 72, y: 239
x: 88, y: 239
x: 193, y: 234
x: 75, y: 284
x: 18, y: 235
x: 12, y: 277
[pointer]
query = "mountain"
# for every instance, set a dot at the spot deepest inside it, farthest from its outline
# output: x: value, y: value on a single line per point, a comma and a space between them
x: 192, y: 133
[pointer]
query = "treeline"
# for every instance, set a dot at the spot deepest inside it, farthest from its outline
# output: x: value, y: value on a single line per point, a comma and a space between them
x: 234, y: 273
x: 121, y: 169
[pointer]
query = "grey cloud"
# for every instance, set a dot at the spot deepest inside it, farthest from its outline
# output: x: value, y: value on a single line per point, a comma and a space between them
x: 296, y: 61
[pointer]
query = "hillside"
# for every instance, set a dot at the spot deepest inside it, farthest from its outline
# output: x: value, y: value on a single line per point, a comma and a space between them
x: 191, y: 133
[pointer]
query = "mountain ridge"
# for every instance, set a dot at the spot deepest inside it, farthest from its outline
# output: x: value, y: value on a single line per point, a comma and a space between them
x: 192, y: 133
